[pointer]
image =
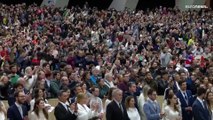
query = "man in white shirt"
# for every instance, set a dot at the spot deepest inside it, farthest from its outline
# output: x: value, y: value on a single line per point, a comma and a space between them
x: 109, y: 80
x: 29, y: 77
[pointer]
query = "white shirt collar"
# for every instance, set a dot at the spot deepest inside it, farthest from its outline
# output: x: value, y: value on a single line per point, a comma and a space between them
x: 155, y: 101
x: 18, y: 105
x: 201, y: 101
x: 117, y: 102
x: 64, y: 104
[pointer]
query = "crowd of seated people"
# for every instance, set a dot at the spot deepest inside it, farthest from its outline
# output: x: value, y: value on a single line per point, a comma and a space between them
x: 105, y: 64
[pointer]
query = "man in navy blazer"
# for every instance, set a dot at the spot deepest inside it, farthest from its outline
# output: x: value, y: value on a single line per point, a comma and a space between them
x: 18, y: 111
x: 186, y: 100
x: 199, y: 108
x: 152, y: 108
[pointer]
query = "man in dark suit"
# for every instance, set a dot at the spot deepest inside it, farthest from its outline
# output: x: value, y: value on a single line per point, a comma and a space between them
x: 199, y: 108
x: 116, y: 110
x: 186, y: 100
x: 18, y: 111
x: 64, y: 111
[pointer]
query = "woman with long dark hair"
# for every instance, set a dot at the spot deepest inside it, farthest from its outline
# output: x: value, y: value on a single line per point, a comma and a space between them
x: 131, y: 109
x: 39, y: 112
x: 38, y: 94
x: 172, y: 109
x: 209, y: 100
x: 109, y: 97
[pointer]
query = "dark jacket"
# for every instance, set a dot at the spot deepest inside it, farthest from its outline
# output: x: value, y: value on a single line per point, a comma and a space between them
x: 200, y: 112
x: 14, y: 114
x: 113, y: 112
x: 62, y: 114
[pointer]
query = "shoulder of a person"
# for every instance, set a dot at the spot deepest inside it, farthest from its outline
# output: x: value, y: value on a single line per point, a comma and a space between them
x: 112, y: 102
x: 166, y: 107
x: 58, y: 105
x: 32, y: 113
x: 147, y: 103
x: 189, y: 92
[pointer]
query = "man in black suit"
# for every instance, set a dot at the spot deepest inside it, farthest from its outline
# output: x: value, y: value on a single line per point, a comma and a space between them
x: 18, y: 111
x: 116, y: 110
x: 199, y: 107
x: 64, y: 111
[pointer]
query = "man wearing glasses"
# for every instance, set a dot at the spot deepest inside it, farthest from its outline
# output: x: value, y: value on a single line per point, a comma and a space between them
x: 152, y: 108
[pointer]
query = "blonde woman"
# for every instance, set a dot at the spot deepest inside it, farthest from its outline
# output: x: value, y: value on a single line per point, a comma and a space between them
x: 141, y: 100
x: 84, y: 112
x: 3, y: 111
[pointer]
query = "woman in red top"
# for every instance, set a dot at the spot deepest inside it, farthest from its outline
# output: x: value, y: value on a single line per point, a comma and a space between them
x: 4, y: 53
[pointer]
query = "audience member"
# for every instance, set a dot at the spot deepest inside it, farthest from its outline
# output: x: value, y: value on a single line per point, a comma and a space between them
x: 132, y: 111
x: 209, y: 100
x: 173, y: 109
x: 199, y: 107
x: 115, y: 109
x: 84, y: 112
x: 39, y: 112
x: 62, y: 110
x: 151, y: 107
x: 3, y: 111
x: 186, y: 100
x: 18, y: 111
x: 96, y: 100
x: 109, y: 98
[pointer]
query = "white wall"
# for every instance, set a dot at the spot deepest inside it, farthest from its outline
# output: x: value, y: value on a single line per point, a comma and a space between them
x: 119, y: 5
x: 48, y: 2
x: 132, y: 4
x: 181, y: 4
x: 56, y: 3
x: 62, y: 3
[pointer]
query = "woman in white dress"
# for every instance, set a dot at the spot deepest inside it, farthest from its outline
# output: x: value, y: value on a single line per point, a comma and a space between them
x: 172, y: 109
x: 209, y: 100
x: 39, y: 112
x: 132, y: 111
x: 84, y: 112
x: 3, y: 111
